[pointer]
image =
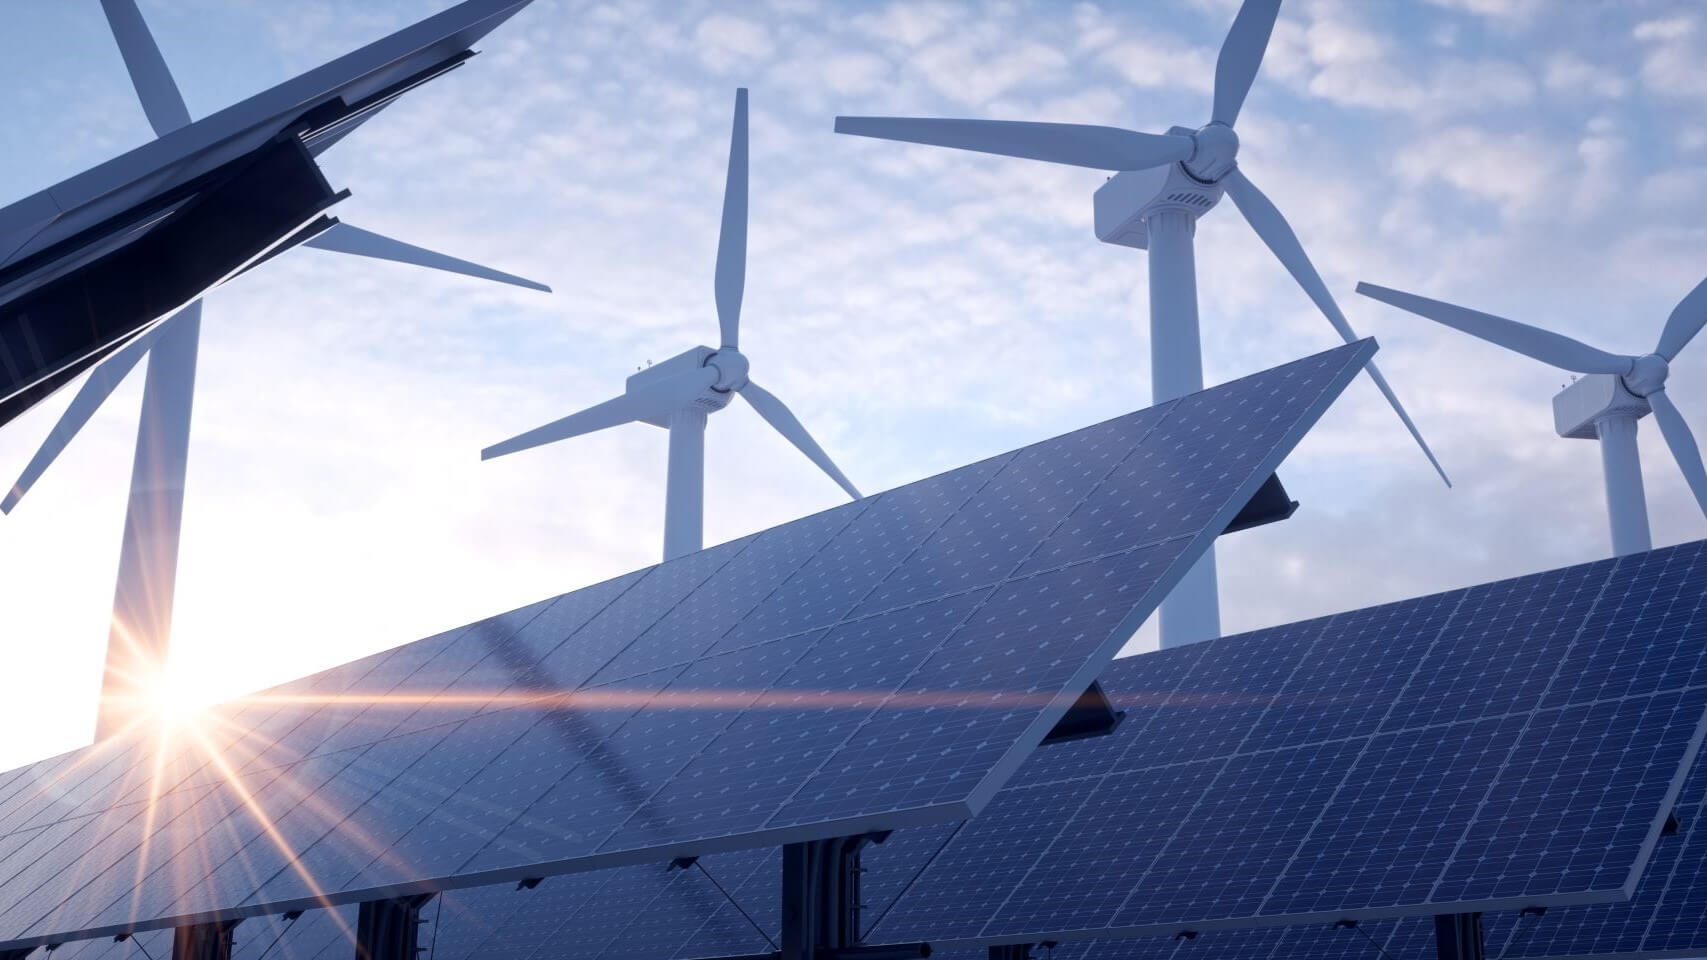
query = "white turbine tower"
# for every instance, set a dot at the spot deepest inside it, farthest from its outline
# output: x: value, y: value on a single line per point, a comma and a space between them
x: 1605, y: 404
x: 1163, y: 183
x: 679, y: 393
x: 141, y: 624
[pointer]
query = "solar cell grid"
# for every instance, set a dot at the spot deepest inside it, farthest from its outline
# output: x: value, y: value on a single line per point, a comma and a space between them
x: 932, y: 649
x: 1325, y: 769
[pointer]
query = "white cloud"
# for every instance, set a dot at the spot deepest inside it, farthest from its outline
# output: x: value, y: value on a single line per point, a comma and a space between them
x: 1672, y: 64
x: 1497, y: 9
x: 1568, y: 73
x: 726, y: 41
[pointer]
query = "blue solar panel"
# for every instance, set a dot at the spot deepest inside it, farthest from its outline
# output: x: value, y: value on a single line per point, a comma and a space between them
x: 1044, y: 811
x: 1511, y: 744
x: 887, y: 663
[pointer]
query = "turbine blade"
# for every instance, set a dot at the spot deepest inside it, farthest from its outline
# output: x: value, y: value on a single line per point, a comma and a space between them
x: 1682, y: 444
x: 1686, y: 320
x: 149, y: 74
x: 732, y: 239
x: 1241, y: 55
x: 777, y: 414
x: 103, y: 380
x: 1543, y: 345
x: 1266, y: 220
x: 1100, y: 148
x: 650, y: 402
x: 343, y: 238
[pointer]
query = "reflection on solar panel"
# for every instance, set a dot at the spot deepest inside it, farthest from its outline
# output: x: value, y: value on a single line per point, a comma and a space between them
x: 883, y: 664
x: 1513, y: 744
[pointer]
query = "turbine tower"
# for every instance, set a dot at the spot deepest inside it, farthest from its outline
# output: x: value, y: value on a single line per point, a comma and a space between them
x: 1163, y: 183
x: 140, y: 630
x: 679, y: 393
x: 1605, y: 404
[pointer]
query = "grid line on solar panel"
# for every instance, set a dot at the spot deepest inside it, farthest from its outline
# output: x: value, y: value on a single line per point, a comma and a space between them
x: 1417, y: 796
x: 1038, y: 629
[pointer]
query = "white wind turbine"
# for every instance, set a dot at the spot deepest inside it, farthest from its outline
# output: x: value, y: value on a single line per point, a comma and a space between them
x: 141, y: 624
x: 679, y: 393
x: 1163, y: 183
x: 1605, y: 404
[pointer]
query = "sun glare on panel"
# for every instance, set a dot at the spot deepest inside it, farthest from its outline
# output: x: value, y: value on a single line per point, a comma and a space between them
x: 175, y: 697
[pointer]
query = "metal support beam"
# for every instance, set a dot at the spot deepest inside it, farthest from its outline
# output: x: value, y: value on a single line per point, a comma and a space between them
x: 1011, y: 951
x: 1458, y: 936
x: 203, y: 941
x: 390, y: 929
x: 820, y: 896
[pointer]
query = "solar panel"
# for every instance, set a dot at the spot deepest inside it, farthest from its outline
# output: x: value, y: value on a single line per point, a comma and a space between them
x: 883, y: 664
x: 144, y: 233
x: 1641, y: 635
x: 1512, y: 744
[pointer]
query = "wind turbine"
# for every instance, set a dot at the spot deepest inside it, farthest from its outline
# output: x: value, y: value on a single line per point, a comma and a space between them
x: 679, y: 393
x: 1605, y: 404
x: 1163, y: 183
x: 141, y: 624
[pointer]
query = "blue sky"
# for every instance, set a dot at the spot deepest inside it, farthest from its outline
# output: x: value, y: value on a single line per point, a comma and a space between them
x: 918, y: 308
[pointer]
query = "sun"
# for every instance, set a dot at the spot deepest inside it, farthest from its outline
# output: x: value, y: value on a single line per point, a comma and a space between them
x: 173, y: 698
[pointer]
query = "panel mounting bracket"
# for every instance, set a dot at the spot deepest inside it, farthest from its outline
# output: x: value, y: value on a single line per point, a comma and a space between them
x: 1458, y: 936
x: 203, y: 941
x: 821, y: 903
x: 389, y: 929
x: 1092, y: 715
x: 1269, y: 504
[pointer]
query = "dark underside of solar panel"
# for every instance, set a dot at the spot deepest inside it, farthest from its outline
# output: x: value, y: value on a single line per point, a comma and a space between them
x: 1572, y: 648
x: 884, y: 664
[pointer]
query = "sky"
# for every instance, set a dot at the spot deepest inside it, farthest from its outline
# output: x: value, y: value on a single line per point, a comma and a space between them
x: 918, y: 308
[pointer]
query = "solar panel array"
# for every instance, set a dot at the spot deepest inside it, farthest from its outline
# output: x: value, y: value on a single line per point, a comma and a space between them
x: 1641, y: 636
x: 1511, y: 744
x: 885, y: 663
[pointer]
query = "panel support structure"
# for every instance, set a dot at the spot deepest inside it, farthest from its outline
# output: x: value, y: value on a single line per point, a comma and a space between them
x: 390, y: 929
x: 821, y: 903
x: 1011, y: 951
x: 203, y: 941
x: 1458, y: 936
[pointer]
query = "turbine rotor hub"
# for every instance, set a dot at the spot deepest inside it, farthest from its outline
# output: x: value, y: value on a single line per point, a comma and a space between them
x: 731, y: 369
x: 1647, y: 374
x: 1216, y: 148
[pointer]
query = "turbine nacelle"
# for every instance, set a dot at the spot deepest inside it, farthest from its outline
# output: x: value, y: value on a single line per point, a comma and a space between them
x: 1580, y: 407
x: 728, y: 365
x: 1128, y: 199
